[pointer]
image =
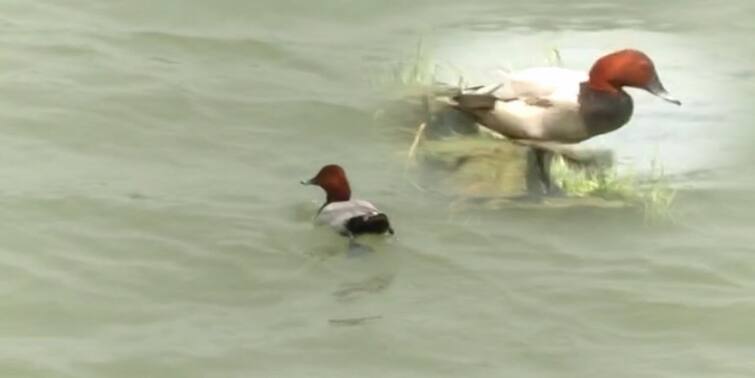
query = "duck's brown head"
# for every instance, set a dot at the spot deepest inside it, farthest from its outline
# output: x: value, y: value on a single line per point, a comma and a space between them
x: 332, y: 179
x: 627, y: 68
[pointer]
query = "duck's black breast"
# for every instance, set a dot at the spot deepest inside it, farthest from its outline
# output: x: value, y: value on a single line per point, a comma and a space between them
x: 369, y: 224
x: 602, y: 111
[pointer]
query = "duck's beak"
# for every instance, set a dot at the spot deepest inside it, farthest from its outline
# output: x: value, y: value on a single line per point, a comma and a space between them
x: 655, y: 87
x: 307, y: 182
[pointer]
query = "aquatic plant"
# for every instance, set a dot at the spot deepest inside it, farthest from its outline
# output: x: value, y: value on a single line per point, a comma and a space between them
x: 653, y: 191
x: 418, y: 71
x: 414, y: 73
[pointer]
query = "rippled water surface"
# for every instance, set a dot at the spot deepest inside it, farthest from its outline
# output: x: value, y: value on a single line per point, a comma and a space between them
x: 154, y: 225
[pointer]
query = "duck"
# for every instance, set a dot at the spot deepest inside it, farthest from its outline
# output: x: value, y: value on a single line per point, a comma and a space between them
x: 545, y: 107
x: 347, y: 216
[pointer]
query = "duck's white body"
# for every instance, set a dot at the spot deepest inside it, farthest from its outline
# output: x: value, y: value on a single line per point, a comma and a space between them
x: 337, y: 214
x: 535, y: 104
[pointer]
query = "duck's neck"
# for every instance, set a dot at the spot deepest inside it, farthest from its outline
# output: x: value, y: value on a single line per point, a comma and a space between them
x: 336, y: 189
x: 604, y: 111
x: 336, y: 194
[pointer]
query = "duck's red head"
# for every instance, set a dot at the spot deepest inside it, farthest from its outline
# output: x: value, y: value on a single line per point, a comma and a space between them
x: 627, y: 68
x: 332, y: 179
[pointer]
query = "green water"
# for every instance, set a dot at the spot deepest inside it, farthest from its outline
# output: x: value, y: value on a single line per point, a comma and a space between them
x: 153, y: 225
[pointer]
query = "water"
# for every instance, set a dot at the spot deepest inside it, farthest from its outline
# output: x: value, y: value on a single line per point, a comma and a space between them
x: 153, y: 224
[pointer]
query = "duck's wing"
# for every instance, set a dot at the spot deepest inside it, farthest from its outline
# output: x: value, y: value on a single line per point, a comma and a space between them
x: 537, y: 104
x: 541, y: 83
x: 540, y: 87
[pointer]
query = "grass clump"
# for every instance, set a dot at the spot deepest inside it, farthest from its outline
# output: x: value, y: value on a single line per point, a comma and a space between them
x: 417, y: 72
x: 653, y: 192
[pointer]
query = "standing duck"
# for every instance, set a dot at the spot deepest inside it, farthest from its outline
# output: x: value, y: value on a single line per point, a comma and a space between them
x: 546, y: 106
x: 350, y: 217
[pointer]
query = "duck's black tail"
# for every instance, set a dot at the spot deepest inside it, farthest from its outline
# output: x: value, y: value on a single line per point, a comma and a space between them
x: 472, y: 102
x: 369, y: 224
x: 476, y: 101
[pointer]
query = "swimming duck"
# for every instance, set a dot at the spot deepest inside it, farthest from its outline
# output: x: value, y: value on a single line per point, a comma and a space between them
x: 542, y: 107
x: 349, y: 217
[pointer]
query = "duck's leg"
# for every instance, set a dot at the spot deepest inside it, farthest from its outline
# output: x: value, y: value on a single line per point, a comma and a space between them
x: 542, y: 170
x: 539, y: 158
x: 543, y: 159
